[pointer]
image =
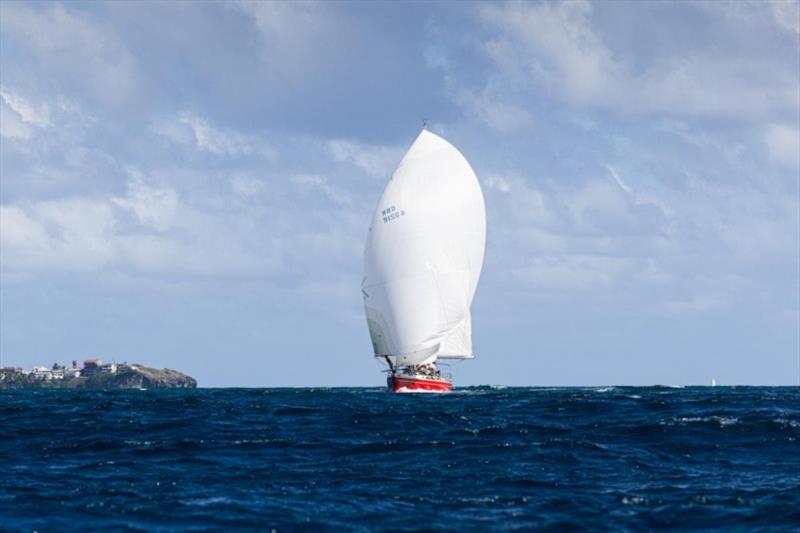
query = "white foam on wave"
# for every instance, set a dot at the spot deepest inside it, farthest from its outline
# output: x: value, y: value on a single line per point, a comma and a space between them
x: 786, y: 422
x: 140, y: 442
x: 204, y: 502
x: 684, y: 420
x: 633, y: 500
x: 478, y: 499
x: 468, y: 392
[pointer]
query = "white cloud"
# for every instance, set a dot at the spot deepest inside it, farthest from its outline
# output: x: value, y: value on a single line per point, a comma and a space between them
x: 497, y: 182
x: 156, y: 232
x: 191, y: 129
x: 588, y: 273
x: 694, y: 248
x: 306, y: 182
x: 19, y: 118
x: 378, y: 161
x: 70, y: 234
x: 557, y: 41
x: 246, y: 186
x: 279, y: 22
x: 93, y: 235
x: 496, y: 104
x: 55, y: 156
x: 71, y: 42
x: 38, y: 116
x: 17, y: 228
x: 729, y: 148
x: 11, y: 124
x: 783, y: 144
x: 213, y: 140
x: 154, y: 207
x: 174, y: 130
x: 743, y: 223
x: 492, y: 109
x: 556, y: 46
x: 295, y: 36
x: 787, y: 14
x: 81, y: 234
x: 617, y: 179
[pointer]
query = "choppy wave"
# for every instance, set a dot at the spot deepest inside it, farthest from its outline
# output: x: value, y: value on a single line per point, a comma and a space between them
x: 362, y: 459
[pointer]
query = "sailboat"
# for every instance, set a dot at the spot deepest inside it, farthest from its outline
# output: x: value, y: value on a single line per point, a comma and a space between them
x: 422, y: 260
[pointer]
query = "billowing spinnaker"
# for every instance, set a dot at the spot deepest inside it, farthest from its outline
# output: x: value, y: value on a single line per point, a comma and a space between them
x: 424, y: 255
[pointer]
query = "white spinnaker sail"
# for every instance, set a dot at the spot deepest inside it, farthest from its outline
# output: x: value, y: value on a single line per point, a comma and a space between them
x: 424, y: 255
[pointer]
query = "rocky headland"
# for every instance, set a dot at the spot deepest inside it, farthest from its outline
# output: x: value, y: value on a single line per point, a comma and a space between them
x: 94, y: 376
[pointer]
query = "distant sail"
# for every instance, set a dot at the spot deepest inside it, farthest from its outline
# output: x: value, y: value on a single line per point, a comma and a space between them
x: 424, y: 255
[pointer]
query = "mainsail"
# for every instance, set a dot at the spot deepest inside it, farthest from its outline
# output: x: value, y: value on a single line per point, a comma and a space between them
x: 424, y: 255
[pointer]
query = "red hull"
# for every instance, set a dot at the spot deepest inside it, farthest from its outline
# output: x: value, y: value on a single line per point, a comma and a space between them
x: 401, y: 384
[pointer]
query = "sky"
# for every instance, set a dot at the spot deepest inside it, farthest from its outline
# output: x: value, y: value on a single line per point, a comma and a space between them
x: 189, y: 185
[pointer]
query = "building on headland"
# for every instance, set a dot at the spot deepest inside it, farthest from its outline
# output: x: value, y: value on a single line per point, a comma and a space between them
x: 42, y: 372
x: 62, y: 372
x: 90, y: 366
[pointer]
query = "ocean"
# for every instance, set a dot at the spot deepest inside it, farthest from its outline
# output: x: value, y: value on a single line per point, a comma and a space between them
x: 360, y: 459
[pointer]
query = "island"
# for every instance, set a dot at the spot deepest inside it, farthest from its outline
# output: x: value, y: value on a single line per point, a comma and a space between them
x: 94, y: 375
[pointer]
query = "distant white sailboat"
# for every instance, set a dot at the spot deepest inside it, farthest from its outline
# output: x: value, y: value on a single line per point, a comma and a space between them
x: 422, y: 261
x: 713, y: 382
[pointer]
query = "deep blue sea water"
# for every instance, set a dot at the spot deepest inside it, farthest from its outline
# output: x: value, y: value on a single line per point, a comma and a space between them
x: 624, y: 458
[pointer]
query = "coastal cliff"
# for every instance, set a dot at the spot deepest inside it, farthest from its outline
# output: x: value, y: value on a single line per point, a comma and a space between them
x: 122, y: 377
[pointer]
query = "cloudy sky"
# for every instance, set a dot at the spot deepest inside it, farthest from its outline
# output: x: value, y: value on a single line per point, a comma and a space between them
x: 189, y: 185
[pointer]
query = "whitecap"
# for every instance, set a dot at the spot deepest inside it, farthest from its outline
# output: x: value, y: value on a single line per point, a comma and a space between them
x: 203, y: 502
x: 785, y: 422
x: 721, y: 420
x: 633, y: 500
